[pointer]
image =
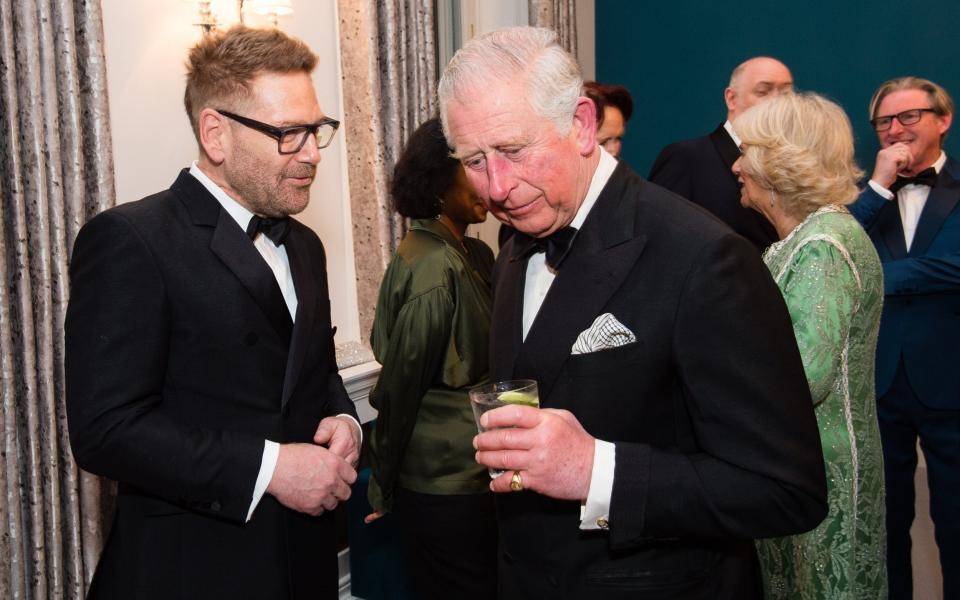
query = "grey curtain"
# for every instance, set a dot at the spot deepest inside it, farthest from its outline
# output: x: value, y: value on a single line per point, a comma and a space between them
x: 559, y: 15
x: 57, y: 170
x: 389, y: 62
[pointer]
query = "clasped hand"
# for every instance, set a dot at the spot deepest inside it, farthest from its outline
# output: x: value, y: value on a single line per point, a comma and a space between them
x: 895, y: 158
x: 549, y: 447
x: 311, y: 478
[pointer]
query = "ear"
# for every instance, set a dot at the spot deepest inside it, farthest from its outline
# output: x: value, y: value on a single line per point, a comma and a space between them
x: 585, y: 125
x: 215, y: 135
x: 944, y: 123
x: 728, y: 97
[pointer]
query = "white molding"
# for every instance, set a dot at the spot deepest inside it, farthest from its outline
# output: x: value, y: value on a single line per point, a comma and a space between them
x: 359, y: 380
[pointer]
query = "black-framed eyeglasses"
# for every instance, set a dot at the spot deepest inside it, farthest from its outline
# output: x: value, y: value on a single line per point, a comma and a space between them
x: 907, y: 117
x: 291, y: 139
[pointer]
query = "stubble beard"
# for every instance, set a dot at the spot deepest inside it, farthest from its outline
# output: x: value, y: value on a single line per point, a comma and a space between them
x: 267, y: 194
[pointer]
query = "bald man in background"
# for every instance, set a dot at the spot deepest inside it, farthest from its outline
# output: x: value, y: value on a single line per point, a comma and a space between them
x: 699, y: 169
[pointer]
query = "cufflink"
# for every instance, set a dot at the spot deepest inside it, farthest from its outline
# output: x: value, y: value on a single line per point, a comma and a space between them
x: 603, y: 523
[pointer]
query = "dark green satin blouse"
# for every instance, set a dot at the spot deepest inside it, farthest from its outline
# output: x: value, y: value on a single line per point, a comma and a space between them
x: 430, y: 334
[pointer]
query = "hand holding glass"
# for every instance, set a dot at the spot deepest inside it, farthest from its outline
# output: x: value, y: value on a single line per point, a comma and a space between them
x: 494, y: 395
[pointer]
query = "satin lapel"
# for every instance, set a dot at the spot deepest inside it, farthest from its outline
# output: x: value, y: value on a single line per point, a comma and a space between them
x: 301, y: 269
x: 940, y: 203
x: 603, y: 254
x: 726, y: 147
x: 890, y: 229
x: 233, y: 247
x: 507, y: 323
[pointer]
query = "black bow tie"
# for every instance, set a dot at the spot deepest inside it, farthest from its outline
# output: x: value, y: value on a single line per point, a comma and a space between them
x: 927, y: 176
x: 556, y: 245
x: 274, y: 228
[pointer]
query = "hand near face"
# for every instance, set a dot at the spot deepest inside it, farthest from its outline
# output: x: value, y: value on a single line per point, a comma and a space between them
x: 341, y: 436
x: 549, y: 447
x: 310, y: 479
x: 891, y: 160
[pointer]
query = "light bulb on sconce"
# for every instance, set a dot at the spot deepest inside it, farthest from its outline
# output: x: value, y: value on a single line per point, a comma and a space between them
x: 207, y: 21
x: 271, y: 8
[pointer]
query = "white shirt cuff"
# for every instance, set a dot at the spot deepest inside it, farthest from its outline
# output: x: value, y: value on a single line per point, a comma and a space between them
x: 271, y: 452
x: 596, y: 513
x: 881, y: 190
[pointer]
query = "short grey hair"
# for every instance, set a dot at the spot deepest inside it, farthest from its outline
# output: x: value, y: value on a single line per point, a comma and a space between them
x: 551, y: 77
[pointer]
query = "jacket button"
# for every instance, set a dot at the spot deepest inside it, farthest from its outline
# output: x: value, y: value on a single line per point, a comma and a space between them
x: 250, y: 339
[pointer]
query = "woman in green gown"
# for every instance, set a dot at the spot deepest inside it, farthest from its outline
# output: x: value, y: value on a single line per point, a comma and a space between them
x: 430, y: 334
x: 797, y: 170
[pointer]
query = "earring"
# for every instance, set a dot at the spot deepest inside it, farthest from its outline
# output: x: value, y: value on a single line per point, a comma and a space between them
x: 773, y: 198
x: 439, y: 207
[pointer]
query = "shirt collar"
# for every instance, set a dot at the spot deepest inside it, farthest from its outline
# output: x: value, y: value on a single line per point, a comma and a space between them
x: 239, y: 213
x: 601, y: 176
x: 733, y: 135
x: 941, y: 160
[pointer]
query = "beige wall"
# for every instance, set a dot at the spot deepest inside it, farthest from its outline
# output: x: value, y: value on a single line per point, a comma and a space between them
x: 146, y: 43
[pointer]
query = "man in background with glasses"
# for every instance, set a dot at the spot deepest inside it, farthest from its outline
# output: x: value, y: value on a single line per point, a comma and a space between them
x: 910, y: 209
x: 200, y: 361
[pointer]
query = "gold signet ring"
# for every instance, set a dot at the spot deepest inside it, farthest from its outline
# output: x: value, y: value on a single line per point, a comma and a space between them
x: 516, y: 482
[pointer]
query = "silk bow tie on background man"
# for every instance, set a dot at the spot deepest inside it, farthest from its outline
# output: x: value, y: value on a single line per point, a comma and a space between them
x: 927, y: 177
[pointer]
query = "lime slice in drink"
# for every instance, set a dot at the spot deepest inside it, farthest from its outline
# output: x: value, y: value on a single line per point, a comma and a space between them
x: 524, y: 398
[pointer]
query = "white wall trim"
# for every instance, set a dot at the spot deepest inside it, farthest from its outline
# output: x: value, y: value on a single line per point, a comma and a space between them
x: 359, y: 380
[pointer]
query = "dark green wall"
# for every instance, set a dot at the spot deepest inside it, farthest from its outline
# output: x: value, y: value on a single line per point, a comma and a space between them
x: 676, y: 57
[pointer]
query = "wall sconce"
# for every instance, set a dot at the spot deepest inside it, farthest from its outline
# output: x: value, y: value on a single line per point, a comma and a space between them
x: 271, y: 8
x: 206, y: 20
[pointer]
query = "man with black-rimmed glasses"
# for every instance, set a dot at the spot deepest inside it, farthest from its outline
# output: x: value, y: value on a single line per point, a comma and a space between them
x: 200, y: 361
x: 910, y: 209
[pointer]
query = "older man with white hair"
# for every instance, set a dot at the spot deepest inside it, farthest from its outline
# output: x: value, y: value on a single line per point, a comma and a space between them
x: 672, y: 430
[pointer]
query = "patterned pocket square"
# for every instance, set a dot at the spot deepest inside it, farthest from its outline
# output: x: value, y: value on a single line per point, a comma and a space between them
x: 605, y: 333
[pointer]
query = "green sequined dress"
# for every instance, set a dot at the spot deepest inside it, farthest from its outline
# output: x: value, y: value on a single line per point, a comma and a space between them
x: 832, y: 282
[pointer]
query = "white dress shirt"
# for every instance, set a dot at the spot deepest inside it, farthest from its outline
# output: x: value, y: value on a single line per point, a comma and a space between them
x: 276, y: 258
x: 911, y: 199
x: 539, y: 278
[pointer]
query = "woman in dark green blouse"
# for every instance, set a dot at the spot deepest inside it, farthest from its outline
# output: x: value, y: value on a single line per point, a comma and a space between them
x: 430, y: 334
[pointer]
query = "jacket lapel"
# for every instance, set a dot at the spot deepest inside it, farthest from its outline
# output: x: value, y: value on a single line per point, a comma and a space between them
x: 507, y: 318
x: 232, y: 246
x: 603, y: 254
x: 889, y: 228
x: 301, y: 268
x: 726, y: 147
x: 940, y: 203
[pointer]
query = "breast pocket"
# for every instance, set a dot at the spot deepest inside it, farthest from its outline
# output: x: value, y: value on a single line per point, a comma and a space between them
x: 605, y: 384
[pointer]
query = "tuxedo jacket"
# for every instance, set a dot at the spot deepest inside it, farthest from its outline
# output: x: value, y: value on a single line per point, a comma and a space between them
x: 921, y: 310
x: 709, y: 410
x: 181, y: 359
x: 700, y: 171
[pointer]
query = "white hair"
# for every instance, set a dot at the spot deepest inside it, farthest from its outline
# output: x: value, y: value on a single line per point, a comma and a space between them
x: 551, y: 77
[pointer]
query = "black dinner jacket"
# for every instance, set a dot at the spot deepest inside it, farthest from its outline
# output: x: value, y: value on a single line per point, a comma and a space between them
x: 716, y: 439
x: 181, y: 359
x: 700, y: 171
